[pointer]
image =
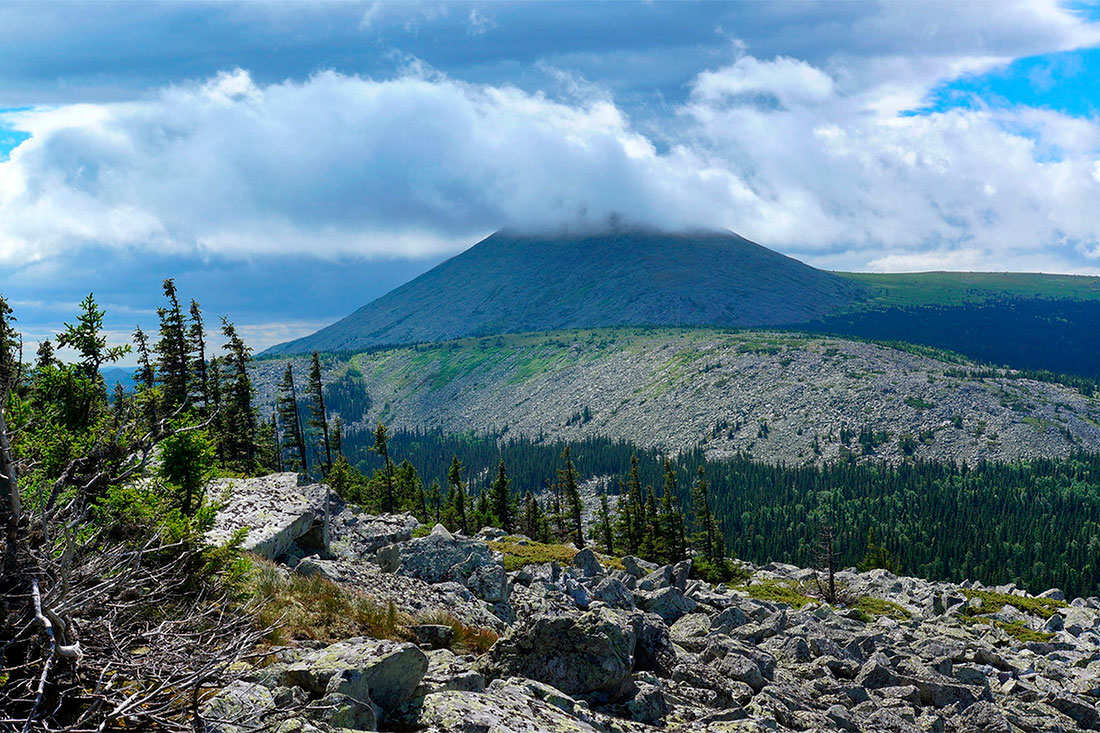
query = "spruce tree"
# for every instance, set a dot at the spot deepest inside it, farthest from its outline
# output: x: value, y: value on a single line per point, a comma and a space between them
x: 172, y: 351
x: 240, y: 423
x: 146, y: 374
x: 386, y: 494
x: 337, y: 436
x: 700, y: 496
x: 318, y: 417
x: 455, y: 516
x: 567, y: 477
x: 501, y: 499
x: 434, y: 503
x: 200, y: 379
x: 291, y: 421
x: 639, y: 520
x: 45, y: 357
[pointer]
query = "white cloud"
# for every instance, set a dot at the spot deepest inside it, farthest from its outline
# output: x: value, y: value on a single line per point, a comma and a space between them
x: 811, y: 158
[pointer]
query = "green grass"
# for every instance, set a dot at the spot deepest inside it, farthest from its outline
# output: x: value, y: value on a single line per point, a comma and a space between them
x: 778, y: 591
x: 517, y: 556
x: 957, y: 288
x: 1015, y: 629
x: 918, y: 404
x: 874, y: 607
x: 993, y: 602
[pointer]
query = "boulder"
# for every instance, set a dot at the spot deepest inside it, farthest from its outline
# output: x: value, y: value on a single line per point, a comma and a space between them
x: 277, y: 513
x: 369, y: 670
x: 237, y: 707
x: 358, y: 536
x: 579, y: 655
x: 669, y: 603
x: 690, y: 631
x: 587, y: 563
x: 653, y: 650
x: 343, y: 711
x: 448, y: 671
x: 612, y: 592
x: 441, y: 557
x: 492, y: 712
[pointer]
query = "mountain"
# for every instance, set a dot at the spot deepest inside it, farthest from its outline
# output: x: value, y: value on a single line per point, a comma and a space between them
x: 513, y: 283
x: 781, y: 397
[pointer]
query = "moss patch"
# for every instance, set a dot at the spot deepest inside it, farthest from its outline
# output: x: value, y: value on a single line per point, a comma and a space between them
x: 778, y: 591
x: 993, y: 602
x: 874, y: 607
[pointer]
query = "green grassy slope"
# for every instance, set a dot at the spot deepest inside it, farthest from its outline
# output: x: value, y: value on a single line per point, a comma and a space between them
x: 957, y: 288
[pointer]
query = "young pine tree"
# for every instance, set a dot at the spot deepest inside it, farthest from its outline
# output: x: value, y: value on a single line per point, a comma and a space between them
x: 238, y: 427
x: 455, y: 516
x: 567, y: 477
x: 291, y: 422
x: 700, y: 497
x: 318, y: 416
x: 172, y: 351
x: 387, y: 498
x: 500, y: 499
x: 200, y: 378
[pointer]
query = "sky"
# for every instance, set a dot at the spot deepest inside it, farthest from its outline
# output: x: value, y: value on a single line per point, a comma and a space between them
x: 287, y: 163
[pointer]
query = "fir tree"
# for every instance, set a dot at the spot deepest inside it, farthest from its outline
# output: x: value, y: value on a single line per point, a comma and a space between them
x: 291, y: 421
x: 455, y: 515
x: 501, y: 499
x: 337, y: 436
x: 318, y: 417
x: 386, y: 494
x: 196, y: 339
x: 700, y: 496
x: 146, y: 374
x: 533, y: 521
x: 567, y: 477
x: 172, y: 351
x: 239, y: 425
x: 45, y: 358
x: 434, y: 503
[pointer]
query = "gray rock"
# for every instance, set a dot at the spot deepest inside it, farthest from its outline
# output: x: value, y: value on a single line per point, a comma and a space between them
x: 433, y: 636
x: 587, y: 563
x: 656, y: 580
x: 669, y: 603
x: 341, y: 711
x: 690, y: 631
x: 236, y: 708
x: 441, y: 557
x: 448, y: 671
x: 983, y: 716
x: 383, y: 672
x: 1082, y: 713
x: 612, y: 592
x: 276, y: 512
x: 578, y: 655
x: 493, y: 712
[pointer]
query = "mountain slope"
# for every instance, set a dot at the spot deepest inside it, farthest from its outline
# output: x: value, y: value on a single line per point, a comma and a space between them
x: 511, y: 283
x: 782, y: 397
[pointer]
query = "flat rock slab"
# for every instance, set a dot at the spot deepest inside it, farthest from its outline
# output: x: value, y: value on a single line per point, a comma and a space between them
x: 274, y: 509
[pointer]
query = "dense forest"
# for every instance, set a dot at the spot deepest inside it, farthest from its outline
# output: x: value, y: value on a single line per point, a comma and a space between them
x: 1035, y: 523
x: 1025, y: 333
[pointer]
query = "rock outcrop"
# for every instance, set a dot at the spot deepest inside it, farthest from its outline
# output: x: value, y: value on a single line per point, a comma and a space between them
x: 590, y: 648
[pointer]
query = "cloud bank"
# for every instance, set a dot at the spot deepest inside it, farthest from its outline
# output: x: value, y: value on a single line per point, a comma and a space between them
x: 833, y: 160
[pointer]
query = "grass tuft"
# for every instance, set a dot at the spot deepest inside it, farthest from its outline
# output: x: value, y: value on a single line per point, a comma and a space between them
x: 875, y: 607
x: 993, y: 602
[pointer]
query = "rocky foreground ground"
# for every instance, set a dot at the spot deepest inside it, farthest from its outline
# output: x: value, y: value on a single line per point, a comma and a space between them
x: 594, y: 643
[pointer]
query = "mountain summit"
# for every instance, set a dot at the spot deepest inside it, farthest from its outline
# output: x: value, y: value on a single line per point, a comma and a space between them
x: 510, y: 283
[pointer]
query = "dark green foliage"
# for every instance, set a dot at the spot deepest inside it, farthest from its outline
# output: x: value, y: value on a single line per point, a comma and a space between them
x: 877, y: 556
x: 186, y: 465
x: 567, y: 478
x: 290, y: 422
x: 501, y: 500
x: 199, y: 367
x: 232, y: 391
x: 386, y: 493
x: 1035, y: 523
x: 318, y: 416
x: 604, y: 531
x: 172, y: 351
x: 455, y: 516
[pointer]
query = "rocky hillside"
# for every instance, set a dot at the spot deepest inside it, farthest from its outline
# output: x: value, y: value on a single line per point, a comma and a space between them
x: 511, y: 283
x: 592, y: 643
x: 779, y: 397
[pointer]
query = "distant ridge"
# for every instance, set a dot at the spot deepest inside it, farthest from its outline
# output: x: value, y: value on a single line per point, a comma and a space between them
x: 513, y: 283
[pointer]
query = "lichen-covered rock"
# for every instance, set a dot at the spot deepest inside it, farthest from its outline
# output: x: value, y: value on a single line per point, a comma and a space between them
x: 370, y: 670
x: 448, y: 671
x: 358, y: 536
x: 493, y: 712
x: 441, y: 557
x: 587, y: 563
x: 578, y: 655
x: 275, y: 511
x: 236, y: 708
x: 669, y: 602
x: 613, y: 592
